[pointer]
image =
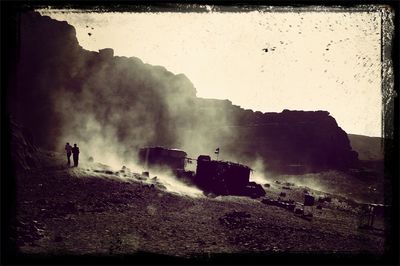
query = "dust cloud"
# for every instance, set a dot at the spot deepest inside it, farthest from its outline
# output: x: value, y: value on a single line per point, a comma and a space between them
x: 113, y: 114
x: 111, y: 105
x: 261, y: 175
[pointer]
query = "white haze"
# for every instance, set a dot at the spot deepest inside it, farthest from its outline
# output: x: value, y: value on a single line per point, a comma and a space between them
x: 312, y: 181
x: 174, y: 185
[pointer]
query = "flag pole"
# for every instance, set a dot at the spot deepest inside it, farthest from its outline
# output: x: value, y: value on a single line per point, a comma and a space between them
x: 217, y: 152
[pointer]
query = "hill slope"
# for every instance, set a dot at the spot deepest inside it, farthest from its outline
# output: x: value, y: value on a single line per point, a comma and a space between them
x: 78, y: 211
x: 368, y: 148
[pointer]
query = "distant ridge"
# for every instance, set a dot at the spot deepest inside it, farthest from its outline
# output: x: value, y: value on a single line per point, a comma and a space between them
x: 368, y: 148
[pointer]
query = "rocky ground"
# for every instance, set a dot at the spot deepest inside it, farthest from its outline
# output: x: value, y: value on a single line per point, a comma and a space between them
x: 92, y: 211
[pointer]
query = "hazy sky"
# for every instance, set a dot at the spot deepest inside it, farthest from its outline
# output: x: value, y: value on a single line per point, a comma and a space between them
x: 315, y: 61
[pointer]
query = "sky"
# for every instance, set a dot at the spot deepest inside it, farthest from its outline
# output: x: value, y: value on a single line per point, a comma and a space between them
x: 262, y: 60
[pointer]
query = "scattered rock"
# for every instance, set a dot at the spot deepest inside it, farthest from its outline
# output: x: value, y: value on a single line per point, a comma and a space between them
x: 145, y: 174
x: 149, y: 186
x: 324, y: 199
x: 235, y: 219
x: 28, y: 231
x: 298, y: 211
x: 151, y: 210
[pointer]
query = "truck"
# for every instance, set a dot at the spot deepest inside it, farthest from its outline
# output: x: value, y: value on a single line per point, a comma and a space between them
x: 212, y: 176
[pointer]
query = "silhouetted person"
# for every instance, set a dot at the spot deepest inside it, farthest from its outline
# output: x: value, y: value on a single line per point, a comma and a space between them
x: 75, y: 155
x: 68, y: 149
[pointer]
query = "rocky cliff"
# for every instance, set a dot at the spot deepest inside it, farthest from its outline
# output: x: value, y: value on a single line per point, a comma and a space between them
x: 24, y: 150
x: 110, y: 104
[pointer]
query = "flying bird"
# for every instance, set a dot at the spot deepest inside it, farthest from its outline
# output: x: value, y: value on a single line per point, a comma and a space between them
x: 265, y: 50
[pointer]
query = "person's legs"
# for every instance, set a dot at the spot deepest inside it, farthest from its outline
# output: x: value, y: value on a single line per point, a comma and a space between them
x: 69, y: 158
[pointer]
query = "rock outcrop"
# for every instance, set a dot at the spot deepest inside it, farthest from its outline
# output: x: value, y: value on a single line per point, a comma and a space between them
x: 62, y: 91
x: 296, y: 141
x: 23, y: 149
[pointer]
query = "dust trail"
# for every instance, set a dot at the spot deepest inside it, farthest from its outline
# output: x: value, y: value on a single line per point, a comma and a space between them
x: 132, y: 170
x: 177, y: 186
x: 309, y: 181
x: 259, y: 174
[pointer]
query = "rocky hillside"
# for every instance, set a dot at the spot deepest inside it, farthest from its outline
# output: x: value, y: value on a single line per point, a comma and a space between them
x: 114, y: 105
x: 76, y: 212
x: 23, y: 149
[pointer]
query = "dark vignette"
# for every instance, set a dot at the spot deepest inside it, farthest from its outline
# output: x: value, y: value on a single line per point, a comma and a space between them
x: 9, y: 43
x: 390, y: 116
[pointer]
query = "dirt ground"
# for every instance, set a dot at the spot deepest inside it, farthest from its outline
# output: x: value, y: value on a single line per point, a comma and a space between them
x: 79, y: 211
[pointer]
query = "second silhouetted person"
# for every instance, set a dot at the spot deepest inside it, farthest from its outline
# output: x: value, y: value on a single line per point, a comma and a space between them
x: 75, y: 155
x: 68, y: 149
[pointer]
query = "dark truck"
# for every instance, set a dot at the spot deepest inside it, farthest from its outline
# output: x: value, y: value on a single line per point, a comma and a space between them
x: 225, y: 178
x: 159, y: 157
x: 214, y: 176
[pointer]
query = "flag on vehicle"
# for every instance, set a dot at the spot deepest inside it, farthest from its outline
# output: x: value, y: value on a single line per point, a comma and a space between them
x: 216, y: 151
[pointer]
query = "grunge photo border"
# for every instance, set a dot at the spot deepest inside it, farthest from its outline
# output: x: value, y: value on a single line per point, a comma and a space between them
x: 390, y: 129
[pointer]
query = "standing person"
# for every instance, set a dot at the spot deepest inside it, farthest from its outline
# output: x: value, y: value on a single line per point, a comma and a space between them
x: 75, y: 155
x: 68, y: 149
